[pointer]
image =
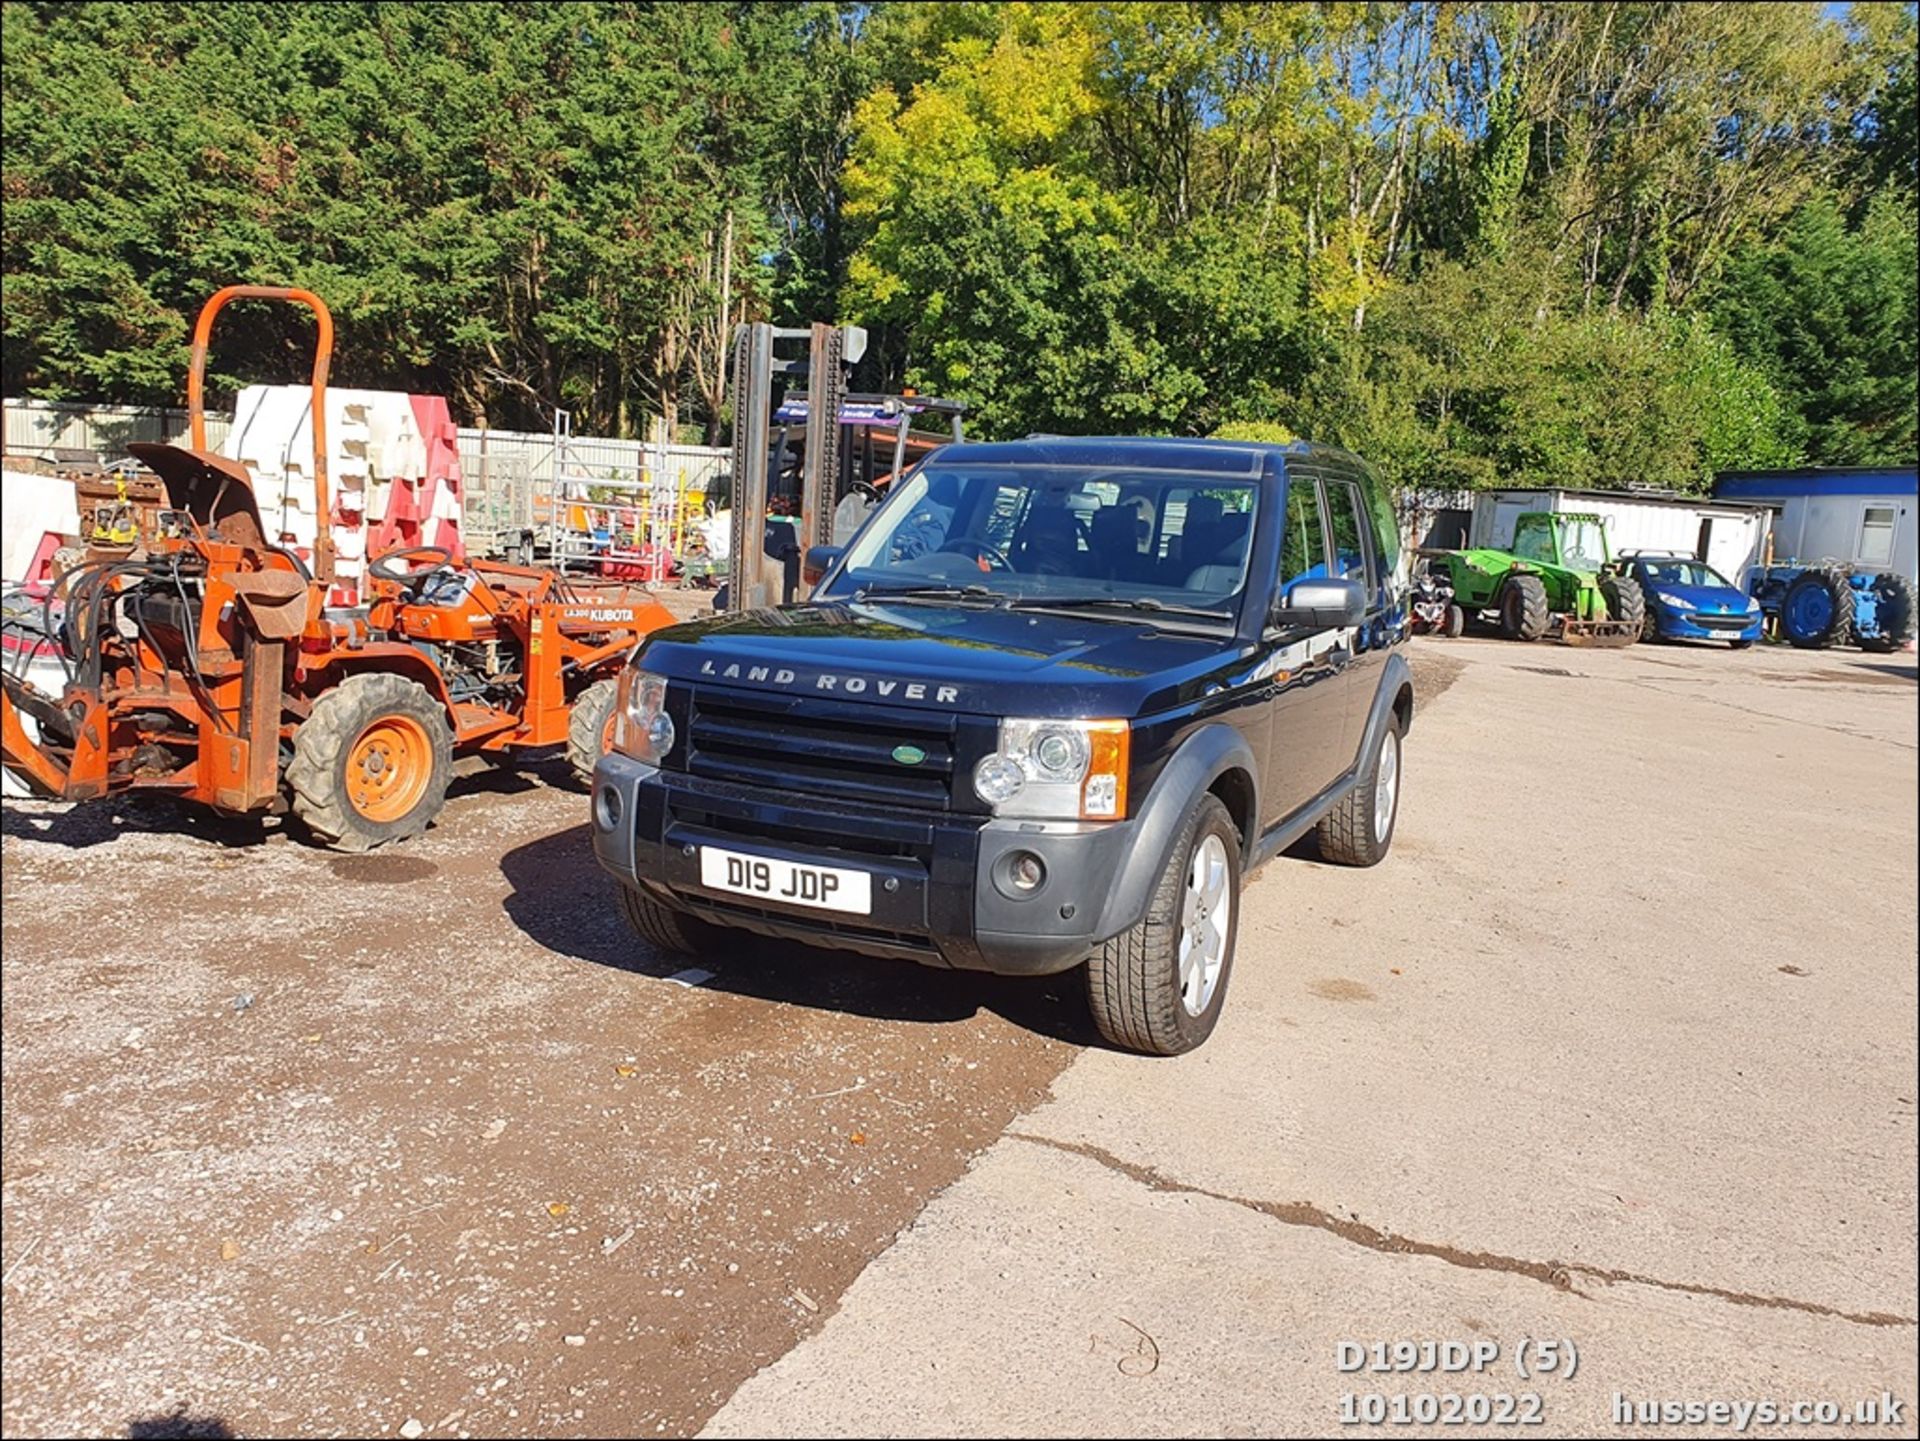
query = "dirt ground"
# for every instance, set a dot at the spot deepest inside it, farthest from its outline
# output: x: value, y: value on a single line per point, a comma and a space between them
x: 302, y: 1141
x: 426, y: 1142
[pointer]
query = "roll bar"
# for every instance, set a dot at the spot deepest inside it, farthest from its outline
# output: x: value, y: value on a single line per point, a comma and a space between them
x: 322, y: 357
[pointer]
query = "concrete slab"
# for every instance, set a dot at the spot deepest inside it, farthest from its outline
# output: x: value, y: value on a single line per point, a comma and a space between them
x: 1619, y: 1046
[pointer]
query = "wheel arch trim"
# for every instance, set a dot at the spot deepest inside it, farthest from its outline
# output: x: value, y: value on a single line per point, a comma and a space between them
x: 1202, y: 760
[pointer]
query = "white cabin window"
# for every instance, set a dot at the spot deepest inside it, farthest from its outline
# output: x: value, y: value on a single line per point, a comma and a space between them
x: 1876, y: 535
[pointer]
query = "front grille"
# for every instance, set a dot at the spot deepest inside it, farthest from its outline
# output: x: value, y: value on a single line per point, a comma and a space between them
x: 806, y: 746
x: 1713, y: 620
x: 836, y: 839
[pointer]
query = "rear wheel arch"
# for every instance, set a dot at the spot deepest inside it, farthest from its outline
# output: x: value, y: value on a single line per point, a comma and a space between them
x: 403, y: 661
x: 1403, y: 706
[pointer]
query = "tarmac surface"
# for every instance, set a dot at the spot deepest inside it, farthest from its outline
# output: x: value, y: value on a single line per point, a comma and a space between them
x: 1617, y: 1047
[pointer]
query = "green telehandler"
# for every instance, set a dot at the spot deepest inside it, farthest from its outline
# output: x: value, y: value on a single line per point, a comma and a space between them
x: 1560, y: 573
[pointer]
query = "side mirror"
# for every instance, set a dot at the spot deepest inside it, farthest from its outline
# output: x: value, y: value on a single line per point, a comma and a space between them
x: 1320, y: 605
x: 820, y: 559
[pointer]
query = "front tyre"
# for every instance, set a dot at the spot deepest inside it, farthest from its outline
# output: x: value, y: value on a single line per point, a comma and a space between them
x: 1158, y: 987
x: 1359, y: 830
x: 1523, y: 607
x: 1817, y: 609
x: 663, y: 927
x: 1626, y: 602
x: 590, y: 727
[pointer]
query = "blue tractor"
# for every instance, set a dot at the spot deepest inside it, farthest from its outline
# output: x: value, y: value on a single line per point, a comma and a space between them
x: 1816, y: 606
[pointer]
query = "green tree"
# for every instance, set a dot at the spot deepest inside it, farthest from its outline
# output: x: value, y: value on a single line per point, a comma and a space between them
x: 1480, y: 242
x: 519, y: 205
x: 1828, y: 313
x: 1459, y: 383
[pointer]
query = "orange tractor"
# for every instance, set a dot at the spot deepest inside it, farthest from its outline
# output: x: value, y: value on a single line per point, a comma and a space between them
x: 211, y: 664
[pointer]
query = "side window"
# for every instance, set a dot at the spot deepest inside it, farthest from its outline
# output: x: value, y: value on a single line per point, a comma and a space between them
x: 1876, y: 535
x: 1303, y: 552
x: 1386, y: 525
x: 1532, y: 540
x: 1349, y: 545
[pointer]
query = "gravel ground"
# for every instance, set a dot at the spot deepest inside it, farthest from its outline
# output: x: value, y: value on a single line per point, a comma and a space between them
x: 306, y: 1142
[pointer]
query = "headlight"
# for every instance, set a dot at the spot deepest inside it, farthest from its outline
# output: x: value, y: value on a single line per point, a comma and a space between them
x: 1667, y: 597
x: 642, y: 728
x: 1753, y: 606
x: 1056, y: 770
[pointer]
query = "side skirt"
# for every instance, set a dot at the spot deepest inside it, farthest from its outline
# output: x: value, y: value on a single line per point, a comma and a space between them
x: 1285, y: 832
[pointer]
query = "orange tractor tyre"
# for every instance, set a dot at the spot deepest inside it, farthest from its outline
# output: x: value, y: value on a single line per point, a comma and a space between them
x: 371, y: 763
x: 590, y: 727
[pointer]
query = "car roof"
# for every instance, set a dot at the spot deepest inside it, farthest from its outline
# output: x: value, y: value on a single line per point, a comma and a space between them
x: 1144, y: 452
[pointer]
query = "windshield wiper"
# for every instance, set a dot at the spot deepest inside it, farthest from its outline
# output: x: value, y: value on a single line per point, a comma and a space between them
x: 1144, y: 603
x: 930, y: 592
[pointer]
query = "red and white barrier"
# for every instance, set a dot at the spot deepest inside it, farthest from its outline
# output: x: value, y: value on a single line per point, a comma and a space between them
x: 39, y: 511
x: 393, y: 471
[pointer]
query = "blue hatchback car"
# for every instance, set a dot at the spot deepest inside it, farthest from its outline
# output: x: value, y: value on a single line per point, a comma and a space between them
x: 1688, y: 599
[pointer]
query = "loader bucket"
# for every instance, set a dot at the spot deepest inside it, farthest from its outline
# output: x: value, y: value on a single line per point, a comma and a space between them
x: 1610, y: 633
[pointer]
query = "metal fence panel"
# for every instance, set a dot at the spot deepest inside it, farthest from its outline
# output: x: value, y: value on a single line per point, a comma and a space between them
x: 492, y: 461
x: 590, y: 501
x: 70, y: 434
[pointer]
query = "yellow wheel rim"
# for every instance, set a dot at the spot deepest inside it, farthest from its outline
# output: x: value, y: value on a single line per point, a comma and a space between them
x: 388, y: 768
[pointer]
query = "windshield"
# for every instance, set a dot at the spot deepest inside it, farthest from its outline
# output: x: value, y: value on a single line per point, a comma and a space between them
x: 1051, y: 533
x: 1683, y: 572
x: 1583, y: 545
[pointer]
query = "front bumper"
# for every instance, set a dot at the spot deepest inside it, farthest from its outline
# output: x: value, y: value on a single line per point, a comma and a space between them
x: 935, y: 899
x: 1699, y: 625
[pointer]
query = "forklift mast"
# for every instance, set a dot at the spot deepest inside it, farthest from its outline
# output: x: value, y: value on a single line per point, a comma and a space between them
x: 759, y: 575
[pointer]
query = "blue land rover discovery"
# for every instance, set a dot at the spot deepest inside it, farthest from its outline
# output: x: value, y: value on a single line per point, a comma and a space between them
x: 1046, y: 710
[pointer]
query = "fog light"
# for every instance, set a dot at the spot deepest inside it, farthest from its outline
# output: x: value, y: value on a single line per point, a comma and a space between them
x: 1026, y: 872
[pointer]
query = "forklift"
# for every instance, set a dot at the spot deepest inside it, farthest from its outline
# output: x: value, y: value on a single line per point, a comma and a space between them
x: 824, y: 456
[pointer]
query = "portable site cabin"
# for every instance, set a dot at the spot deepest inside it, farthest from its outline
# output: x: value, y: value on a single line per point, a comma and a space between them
x: 1863, y: 517
x: 1728, y: 534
